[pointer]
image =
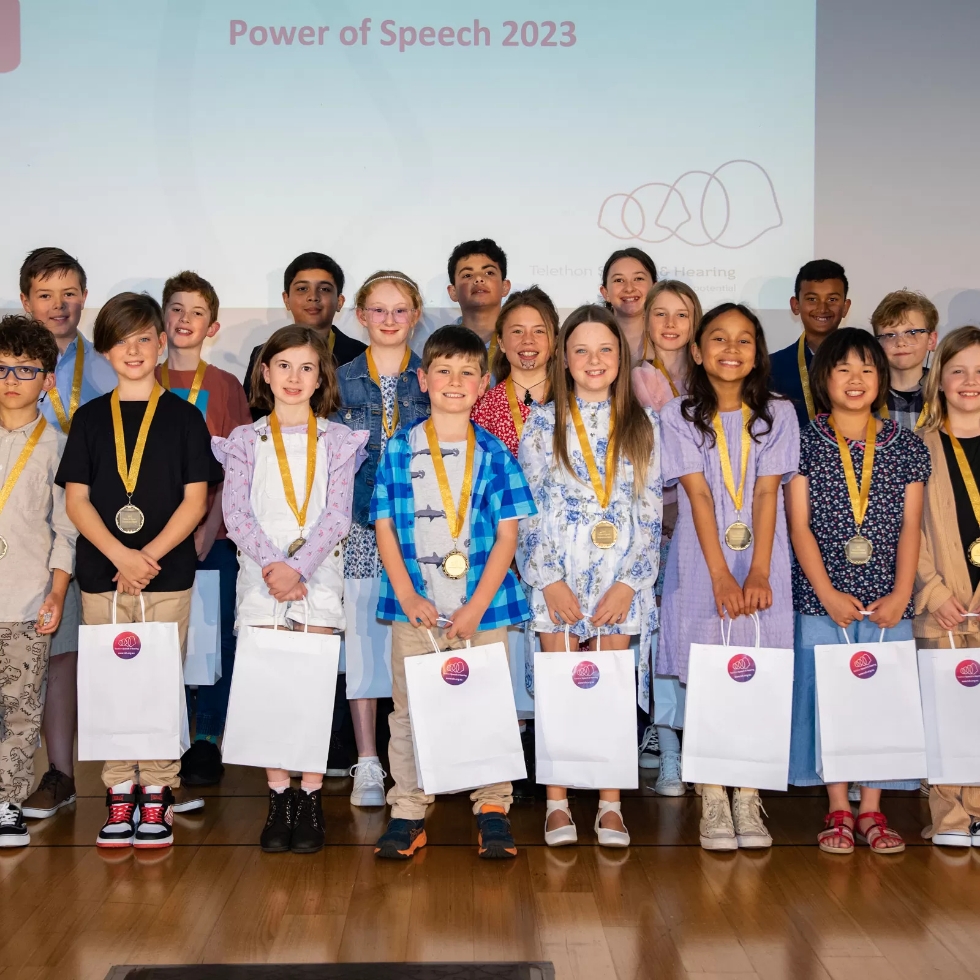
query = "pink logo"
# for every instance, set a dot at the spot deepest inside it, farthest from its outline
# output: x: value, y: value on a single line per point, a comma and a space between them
x: 864, y: 665
x: 455, y: 671
x: 126, y: 645
x: 968, y: 673
x: 9, y: 34
x: 741, y: 668
x: 585, y: 674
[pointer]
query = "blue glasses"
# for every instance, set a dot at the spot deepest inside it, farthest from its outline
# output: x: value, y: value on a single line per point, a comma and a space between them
x: 22, y: 372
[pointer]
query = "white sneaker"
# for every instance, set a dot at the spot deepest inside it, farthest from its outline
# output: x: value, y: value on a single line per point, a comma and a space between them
x: 669, y: 782
x: 747, y: 811
x: 369, y: 784
x: 13, y: 830
x: 717, y: 829
x: 650, y: 748
x: 953, y: 838
x: 560, y: 836
x: 975, y: 833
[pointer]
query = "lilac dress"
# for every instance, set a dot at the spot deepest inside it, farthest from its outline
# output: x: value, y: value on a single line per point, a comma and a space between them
x: 688, y: 612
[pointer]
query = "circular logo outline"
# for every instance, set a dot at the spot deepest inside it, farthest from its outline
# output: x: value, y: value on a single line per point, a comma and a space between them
x: 967, y: 673
x: 126, y: 645
x: 741, y: 668
x: 455, y: 671
x: 585, y: 674
x: 864, y: 665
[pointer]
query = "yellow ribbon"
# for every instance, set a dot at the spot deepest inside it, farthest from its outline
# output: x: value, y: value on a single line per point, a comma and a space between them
x: 603, y: 493
x: 805, y: 377
x: 284, y: 471
x: 965, y: 471
x: 376, y: 378
x: 25, y: 455
x: 738, y: 496
x: 76, y: 391
x: 515, y: 408
x: 859, y: 496
x: 129, y: 475
x: 658, y: 364
x: 455, y: 517
x: 195, y: 384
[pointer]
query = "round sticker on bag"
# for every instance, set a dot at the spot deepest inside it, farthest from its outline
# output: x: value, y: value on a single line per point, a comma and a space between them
x: 455, y: 671
x: 126, y: 645
x: 864, y: 665
x: 585, y: 674
x: 741, y: 668
x: 968, y: 673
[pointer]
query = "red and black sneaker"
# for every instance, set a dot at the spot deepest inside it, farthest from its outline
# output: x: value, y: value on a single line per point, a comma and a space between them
x: 155, y: 827
x: 120, y: 826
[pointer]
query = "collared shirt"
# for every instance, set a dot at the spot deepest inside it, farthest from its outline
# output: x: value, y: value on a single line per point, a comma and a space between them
x: 33, y: 522
x: 98, y: 378
x: 500, y: 493
x: 784, y: 377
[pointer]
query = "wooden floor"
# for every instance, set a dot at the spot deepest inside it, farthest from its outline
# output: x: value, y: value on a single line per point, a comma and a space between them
x: 662, y: 909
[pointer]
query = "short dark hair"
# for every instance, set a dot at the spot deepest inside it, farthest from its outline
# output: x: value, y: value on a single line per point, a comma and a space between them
x: 313, y: 260
x: 480, y: 246
x: 819, y: 270
x: 834, y: 350
x: 122, y: 316
x: 630, y: 253
x: 454, y: 340
x: 44, y: 262
x: 24, y: 337
x: 326, y: 398
x: 191, y: 282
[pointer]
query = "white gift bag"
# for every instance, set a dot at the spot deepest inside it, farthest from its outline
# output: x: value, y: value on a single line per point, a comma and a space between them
x: 131, y: 702
x: 950, y: 684
x: 738, y: 715
x: 464, y: 723
x: 280, y: 709
x: 869, y: 713
x: 202, y: 665
x: 585, y: 720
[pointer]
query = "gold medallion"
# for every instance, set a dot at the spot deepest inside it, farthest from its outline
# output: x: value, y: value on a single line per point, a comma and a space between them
x: 455, y: 564
x: 3, y: 547
x: 129, y: 519
x: 738, y: 536
x: 858, y: 550
x: 973, y: 553
x: 295, y: 546
x: 604, y: 534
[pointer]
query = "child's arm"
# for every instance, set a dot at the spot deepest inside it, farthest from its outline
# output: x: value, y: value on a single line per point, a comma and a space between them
x: 182, y: 521
x: 49, y: 615
x: 756, y: 588
x: 419, y: 610
x: 932, y: 594
x: 466, y: 619
x: 206, y: 534
x: 61, y: 563
x: 887, y: 611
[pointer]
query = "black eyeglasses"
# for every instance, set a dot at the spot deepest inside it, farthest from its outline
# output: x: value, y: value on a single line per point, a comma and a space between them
x: 22, y: 372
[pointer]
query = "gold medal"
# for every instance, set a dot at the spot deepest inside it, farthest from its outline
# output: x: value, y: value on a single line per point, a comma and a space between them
x: 376, y: 378
x: 738, y: 534
x: 129, y: 518
x: 295, y: 546
x: 287, y: 477
x: 969, y: 481
x: 604, y: 534
x: 3, y: 547
x: 455, y: 564
x: 64, y: 419
x: 195, y: 384
x: 973, y: 553
x: 858, y: 550
x: 14, y: 475
x: 805, y: 377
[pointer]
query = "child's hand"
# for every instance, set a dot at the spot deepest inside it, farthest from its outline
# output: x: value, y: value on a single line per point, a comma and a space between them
x: 887, y: 611
x: 280, y: 578
x: 295, y: 594
x: 950, y: 614
x: 136, y: 567
x: 466, y: 621
x: 419, y: 610
x: 125, y: 586
x: 563, y: 607
x: 728, y: 596
x: 842, y: 608
x: 614, y: 606
x: 757, y: 592
x: 49, y: 615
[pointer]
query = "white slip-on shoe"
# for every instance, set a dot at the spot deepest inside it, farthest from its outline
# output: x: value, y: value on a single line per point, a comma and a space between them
x: 608, y: 837
x: 953, y: 838
x: 560, y: 836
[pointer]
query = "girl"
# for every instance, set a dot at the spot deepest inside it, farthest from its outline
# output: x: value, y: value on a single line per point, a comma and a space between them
x: 730, y: 445
x: 948, y: 575
x: 589, y: 555
x: 525, y: 335
x: 379, y: 391
x: 289, y: 480
x: 856, y: 546
x: 626, y: 279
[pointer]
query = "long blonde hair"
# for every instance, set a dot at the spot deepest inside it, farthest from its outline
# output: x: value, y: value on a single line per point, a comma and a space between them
x: 955, y: 342
x: 690, y: 298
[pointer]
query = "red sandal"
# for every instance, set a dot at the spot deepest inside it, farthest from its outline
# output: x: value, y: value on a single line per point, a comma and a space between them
x: 879, y: 834
x: 836, y: 828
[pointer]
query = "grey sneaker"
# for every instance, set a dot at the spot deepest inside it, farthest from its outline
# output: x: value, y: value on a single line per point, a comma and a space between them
x: 669, y: 782
x: 747, y: 811
x: 717, y: 829
x: 650, y: 748
x: 369, y: 784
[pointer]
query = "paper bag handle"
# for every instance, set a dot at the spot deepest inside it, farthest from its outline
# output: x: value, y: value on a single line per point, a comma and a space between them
x: 847, y: 640
x: 306, y: 616
x: 952, y: 642
x: 142, y: 607
x: 726, y: 638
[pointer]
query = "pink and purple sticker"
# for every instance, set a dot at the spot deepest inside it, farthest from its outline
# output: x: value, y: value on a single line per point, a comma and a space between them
x: 126, y: 645
x: 741, y: 668
x: 864, y: 664
x: 585, y: 674
x: 968, y: 673
x: 455, y: 671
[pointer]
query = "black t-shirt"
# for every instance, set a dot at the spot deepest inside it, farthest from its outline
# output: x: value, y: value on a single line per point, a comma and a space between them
x: 178, y: 452
x: 965, y: 519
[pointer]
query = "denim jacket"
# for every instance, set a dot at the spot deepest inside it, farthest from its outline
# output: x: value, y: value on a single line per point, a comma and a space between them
x: 360, y: 408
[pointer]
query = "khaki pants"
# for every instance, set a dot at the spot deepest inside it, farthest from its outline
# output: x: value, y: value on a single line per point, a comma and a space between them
x: 951, y: 807
x: 406, y: 799
x: 161, y: 607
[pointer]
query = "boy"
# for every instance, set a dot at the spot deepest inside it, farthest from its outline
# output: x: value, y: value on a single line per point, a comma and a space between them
x: 37, y: 554
x: 820, y: 301
x: 468, y: 579
x: 136, y: 511
x: 53, y: 292
x: 905, y: 324
x: 190, y: 311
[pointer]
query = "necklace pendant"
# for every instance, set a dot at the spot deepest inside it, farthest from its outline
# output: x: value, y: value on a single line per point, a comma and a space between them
x: 528, y: 400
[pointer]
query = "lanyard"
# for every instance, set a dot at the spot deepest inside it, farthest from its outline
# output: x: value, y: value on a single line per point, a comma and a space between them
x: 76, y: 391
x: 738, y: 496
x: 859, y: 496
x: 376, y: 378
x: 455, y: 517
x: 603, y: 493
x: 195, y: 385
x: 284, y: 471
x: 805, y: 376
x: 130, y: 474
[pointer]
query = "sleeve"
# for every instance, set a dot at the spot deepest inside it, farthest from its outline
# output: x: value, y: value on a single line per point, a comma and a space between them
x: 681, y: 453
x: 779, y: 451
x: 537, y: 557
x: 382, y: 505
x: 76, y: 460
x: 641, y: 563
x: 917, y: 460
x: 63, y: 547
x: 651, y: 387
x: 200, y: 465
x: 511, y: 496
x: 930, y: 589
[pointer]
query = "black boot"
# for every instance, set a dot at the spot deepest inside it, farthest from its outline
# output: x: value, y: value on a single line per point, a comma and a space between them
x: 308, y: 829
x: 278, y: 830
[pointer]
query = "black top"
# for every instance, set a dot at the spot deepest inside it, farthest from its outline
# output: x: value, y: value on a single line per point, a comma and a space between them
x: 784, y: 377
x: 178, y: 452
x: 967, y: 523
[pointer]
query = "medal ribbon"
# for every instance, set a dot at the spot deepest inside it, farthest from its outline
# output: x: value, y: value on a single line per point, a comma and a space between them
x: 603, y: 493
x: 968, y: 478
x: 287, y: 477
x: 25, y: 454
x: 738, y: 496
x: 515, y: 408
x: 129, y: 475
x: 454, y: 517
x: 859, y: 498
x: 805, y: 377
x: 76, y: 391
x: 658, y: 364
x: 376, y: 378
x: 195, y: 385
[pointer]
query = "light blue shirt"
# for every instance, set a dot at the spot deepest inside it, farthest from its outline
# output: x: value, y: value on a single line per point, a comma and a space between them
x: 98, y: 378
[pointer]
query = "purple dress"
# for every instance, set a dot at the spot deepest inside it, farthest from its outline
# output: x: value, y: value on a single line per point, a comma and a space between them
x: 688, y: 612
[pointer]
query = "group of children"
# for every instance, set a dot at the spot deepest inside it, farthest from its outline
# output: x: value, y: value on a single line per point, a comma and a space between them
x: 640, y: 472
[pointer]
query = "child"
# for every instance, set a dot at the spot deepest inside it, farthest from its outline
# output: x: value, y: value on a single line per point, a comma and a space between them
x: 626, y: 280
x: 731, y: 446
x: 53, y: 292
x: 37, y: 552
x: 948, y: 574
x: 379, y: 391
x: 525, y: 334
x: 136, y: 470
x: 820, y: 301
x: 592, y: 460
x: 447, y: 559
x: 287, y: 501
x: 905, y: 324
x: 856, y: 548
x: 190, y: 310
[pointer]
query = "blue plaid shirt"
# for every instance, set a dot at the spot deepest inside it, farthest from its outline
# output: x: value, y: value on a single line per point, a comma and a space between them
x: 500, y: 493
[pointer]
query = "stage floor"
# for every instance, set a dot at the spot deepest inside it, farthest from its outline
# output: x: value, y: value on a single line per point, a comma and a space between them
x: 662, y: 909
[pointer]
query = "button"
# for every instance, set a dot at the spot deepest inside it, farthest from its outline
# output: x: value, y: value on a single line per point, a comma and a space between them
x: 348, y: 416
x: 336, y: 554
x: 264, y: 438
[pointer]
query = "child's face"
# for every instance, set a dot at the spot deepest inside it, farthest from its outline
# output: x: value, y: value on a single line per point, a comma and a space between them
x: 454, y: 384
x: 853, y: 385
x: 960, y: 380
x: 727, y: 347
x: 670, y: 323
x: 293, y: 375
x: 907, y: 344
x: 478, y: 283
x: 134, y: 357
x: 388, y: 315
x: 57, y: 302
x: 525, y: 339
x: 187, y: 321
x: 22, y: 393
x: 627, y: 285
x: 592, y: 357
x: 821, y: 306
x: 313, y: 299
